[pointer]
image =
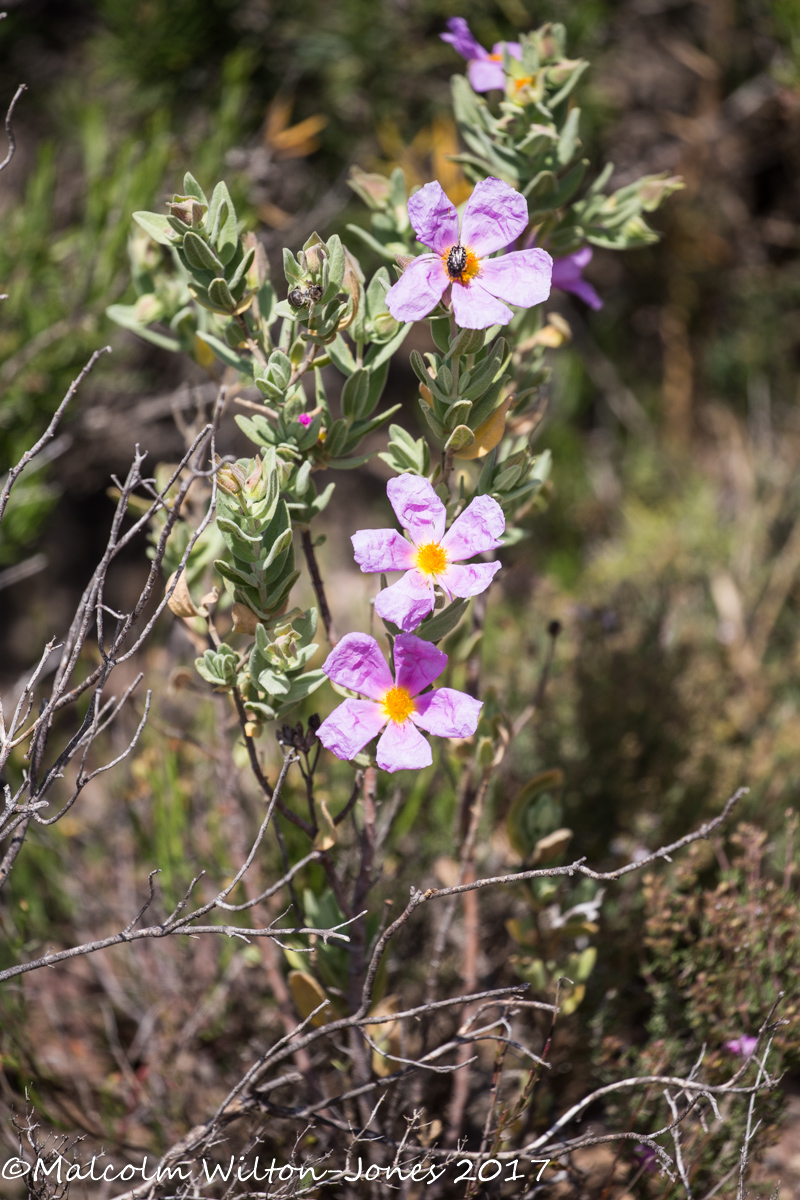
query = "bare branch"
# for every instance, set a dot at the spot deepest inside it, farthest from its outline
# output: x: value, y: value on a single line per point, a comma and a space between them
x: 12, y: 145
x: 50, y: 432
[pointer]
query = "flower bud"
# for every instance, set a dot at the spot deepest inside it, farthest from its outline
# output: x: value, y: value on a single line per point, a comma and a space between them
x: 231, y: 479
x: 148, y: 308
x: 315, y: 256
x: 373, y: 189
x: 188, y: 209
x: 385, y: 324
x: 256, y: 483
x: 655, y: 188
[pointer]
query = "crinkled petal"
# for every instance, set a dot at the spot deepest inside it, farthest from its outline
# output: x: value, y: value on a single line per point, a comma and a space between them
x: 419, y: 289
x: 468, y: 581
x: 350, y: 726
x: 495, y: 215
x: 403, y: 748
x: 416, y: 662
x: 475, y: 308
x: 447, y: 713
x: 382, y: 550
x: 433, y: 217
x: 406, y: 602
x: 486, y: 74
x: 356, y: 663
x: 418, y: 508
x: 479, y: 528
x: 522, y: 277
x: 462, y: 40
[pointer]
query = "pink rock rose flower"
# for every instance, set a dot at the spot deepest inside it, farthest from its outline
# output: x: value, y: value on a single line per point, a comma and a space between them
x: 432, y: 556
x: 356, y: 663
x: 484, y: 70
x: 743, y: 1046
x: 305, y: 419
x: 495, y: 215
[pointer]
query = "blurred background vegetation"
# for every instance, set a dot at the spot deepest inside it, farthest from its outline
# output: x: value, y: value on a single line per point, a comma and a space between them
x: 669, y: 548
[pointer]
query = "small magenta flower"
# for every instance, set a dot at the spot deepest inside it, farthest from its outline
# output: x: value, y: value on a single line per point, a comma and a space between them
x: 743, y: 1046
x: 568, y: 276
x: 495, y: 215
x: 305, y: 419
x: 432, y: 556
x: 356, y: 663
x: 484, y: 70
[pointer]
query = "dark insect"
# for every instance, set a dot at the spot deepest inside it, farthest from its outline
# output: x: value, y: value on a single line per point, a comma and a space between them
x: 314, y: 292
x: 456, y: 262
x: 298, y: 298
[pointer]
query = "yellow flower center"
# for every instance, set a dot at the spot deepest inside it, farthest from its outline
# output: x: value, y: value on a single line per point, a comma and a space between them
x: 398, y: 704
x: 522, y: 82
x: 461, y: 263
x: 431, y: 558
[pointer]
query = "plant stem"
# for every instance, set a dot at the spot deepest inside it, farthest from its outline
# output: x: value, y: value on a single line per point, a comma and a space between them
x: 319, y: 587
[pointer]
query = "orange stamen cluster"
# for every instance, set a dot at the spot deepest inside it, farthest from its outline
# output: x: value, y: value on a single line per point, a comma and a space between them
x: 431, y: 559
x: 398, y: 704
x: 469, y: 271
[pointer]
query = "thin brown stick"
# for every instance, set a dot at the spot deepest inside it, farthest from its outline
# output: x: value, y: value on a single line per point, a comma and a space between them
x: 318, y: 585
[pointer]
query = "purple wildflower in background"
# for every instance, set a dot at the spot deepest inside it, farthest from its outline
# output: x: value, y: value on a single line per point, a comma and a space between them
x: 646, y: 1156
x: 431, y: 555
x: 568, y: 277
x: 305, y: 419
x: 743, y: 1046
x: 356, y: 663
x: 495, y: 215
x: 484, y: 70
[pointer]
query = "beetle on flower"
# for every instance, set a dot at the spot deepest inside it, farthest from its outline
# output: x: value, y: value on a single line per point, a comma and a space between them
x: 356, y: 663
x: 432, y: 556
x: 495, y: 215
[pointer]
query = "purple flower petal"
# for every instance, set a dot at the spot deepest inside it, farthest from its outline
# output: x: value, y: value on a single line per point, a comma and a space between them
x: 475, y: 308
x: 434, y: 218
x: 495, y: 216
x: 522, y: 277
x: 382, y: 550
x: 418, y: 508
x: 350, y: 726
x: 356, y: 662
x: 462, y: 40
x: 470, y: 580
x: 403, y: 748
x: 419, y: 289
x: 305, y: 419
x: 479, y: 528
x: 486, y: 74
x: 513, y: 48
x: 406, y: 602
x: 567, y: 276
x: 447, y: 713
x: 577, y: 260
x: 416, y: 662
